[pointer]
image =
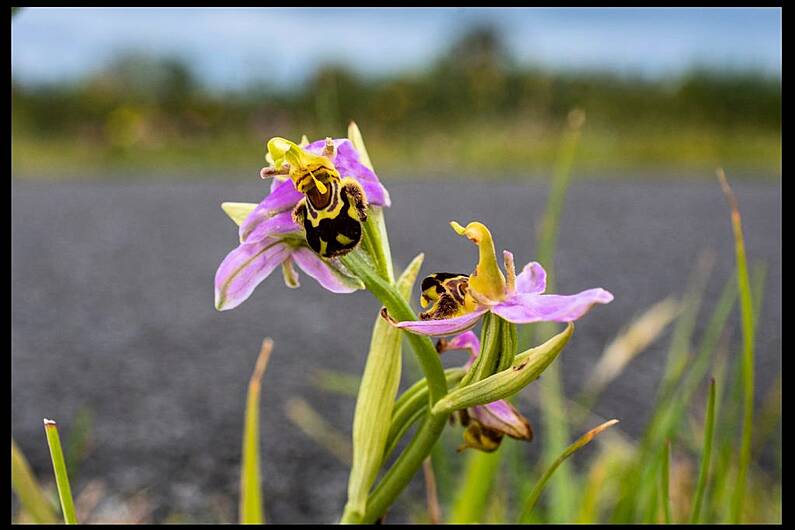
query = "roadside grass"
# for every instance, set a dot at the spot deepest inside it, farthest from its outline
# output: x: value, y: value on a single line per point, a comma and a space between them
x: 489, y: 149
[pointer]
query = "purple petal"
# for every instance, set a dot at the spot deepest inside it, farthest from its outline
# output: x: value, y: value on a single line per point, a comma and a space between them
x: 281, y: 223
x: 324, y: 272
x: 347, y: 163
x: 449, y: 326
x: 501, y: 416
x: 465, y: 341
x: 276, y: 182
x: 526, y: 308
x: 282, y: 199
x: 244, y: 268
x: 532, y: 279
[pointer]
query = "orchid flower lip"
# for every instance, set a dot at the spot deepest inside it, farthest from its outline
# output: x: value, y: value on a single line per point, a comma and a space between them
x: 519, y: 299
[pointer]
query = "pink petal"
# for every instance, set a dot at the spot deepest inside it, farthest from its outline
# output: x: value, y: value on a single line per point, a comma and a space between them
x: 465, y: 341
x: 281, y: 223
x: 347, y: 163
x: 526, y: 308
x: 325, y: 272
x: 244, y: 268
x: 502, y: 417
x: 283, y: 198
x: 449, y: 326
x: 532, y: 279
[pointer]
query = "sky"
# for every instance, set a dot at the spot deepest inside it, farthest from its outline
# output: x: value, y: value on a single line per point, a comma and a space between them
x: 231, y: 48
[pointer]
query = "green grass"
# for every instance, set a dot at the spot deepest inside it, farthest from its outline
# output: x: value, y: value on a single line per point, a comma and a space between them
x: 59, y: 470
x: 581, y: 442
x: 31, y: 496
x: 251, y: 510
x: 488, y: 149
x: 746, y: 311
x: 706, y: 457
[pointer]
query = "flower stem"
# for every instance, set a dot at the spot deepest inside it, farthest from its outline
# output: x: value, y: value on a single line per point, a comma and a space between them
x: 404, y: 468
x: 400, y: 309
x: 410, y: 460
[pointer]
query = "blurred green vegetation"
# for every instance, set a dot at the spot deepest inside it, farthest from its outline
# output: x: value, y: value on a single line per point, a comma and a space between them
x: 472, y: 112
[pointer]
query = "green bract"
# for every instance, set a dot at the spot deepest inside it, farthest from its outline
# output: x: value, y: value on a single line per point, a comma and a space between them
x: 526, y: 368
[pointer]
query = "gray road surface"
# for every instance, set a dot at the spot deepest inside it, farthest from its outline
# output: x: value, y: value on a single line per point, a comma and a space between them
x: 112, y: 310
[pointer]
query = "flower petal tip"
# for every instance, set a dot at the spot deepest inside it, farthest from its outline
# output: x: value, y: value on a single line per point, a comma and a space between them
x: 458, y: 228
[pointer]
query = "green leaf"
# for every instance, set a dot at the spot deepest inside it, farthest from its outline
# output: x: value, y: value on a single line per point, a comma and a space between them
x: 709, y: 428
x: 59, y: 468
x: 33, y: 499
x: 665, y: 487
x: 747, y: 314
x: 471, y: 498
x: 570, y: 450
x: 251, y: 509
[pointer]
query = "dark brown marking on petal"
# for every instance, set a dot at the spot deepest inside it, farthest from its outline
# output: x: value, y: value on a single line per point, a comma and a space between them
x: 299, y: 212
x: 319, y: 200
x: 356, y: 195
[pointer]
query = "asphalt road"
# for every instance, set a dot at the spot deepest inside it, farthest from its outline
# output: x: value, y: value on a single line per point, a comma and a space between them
x: 112, y: 311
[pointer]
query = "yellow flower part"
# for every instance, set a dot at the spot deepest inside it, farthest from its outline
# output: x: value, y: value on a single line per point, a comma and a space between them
x: 487, y: 281
x: 307, y: 170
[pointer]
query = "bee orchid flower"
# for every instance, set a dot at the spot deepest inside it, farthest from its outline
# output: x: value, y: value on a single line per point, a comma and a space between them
x: 458, y: 301
x: 487, y: 424
x: 270, y: 235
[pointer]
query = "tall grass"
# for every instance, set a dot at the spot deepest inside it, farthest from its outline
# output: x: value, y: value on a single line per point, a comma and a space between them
x: 251, y: 510
x: 59, y: 470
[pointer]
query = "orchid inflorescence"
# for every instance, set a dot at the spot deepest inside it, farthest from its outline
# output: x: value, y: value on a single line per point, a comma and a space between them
x: 324, y: 214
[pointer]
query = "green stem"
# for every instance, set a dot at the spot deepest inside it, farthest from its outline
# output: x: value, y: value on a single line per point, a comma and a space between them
x: 398, y: 308
x: 410, y: 405
x: 404, y: 468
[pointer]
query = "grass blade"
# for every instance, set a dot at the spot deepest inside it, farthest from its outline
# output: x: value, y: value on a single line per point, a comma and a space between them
x: 570, y: 450
x: 251, y: 510
x: 639, y: 493
x: 630, y: 342
x: 555, y: 423
x: 665, y: 483
x: 33, y: 499
x: 59, y: 468
x: 472, y: 494
x: 336, y: 382
x: 747, y: 320
x: 302, y: 415
x: 709, y: 427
